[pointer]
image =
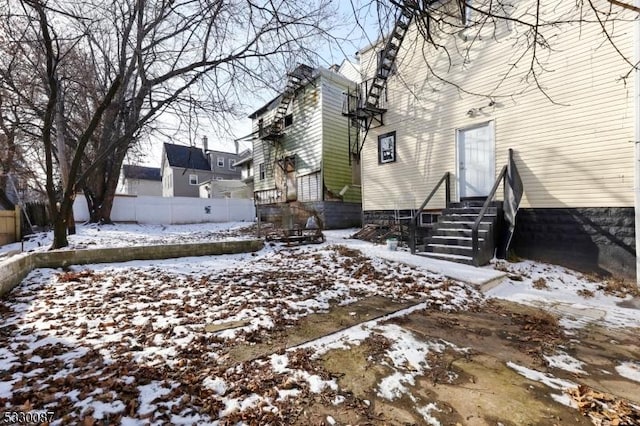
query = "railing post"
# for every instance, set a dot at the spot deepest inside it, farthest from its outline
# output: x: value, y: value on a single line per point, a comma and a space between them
x: 447, y: 189
x: 412, y: 234
x: 474, y: 244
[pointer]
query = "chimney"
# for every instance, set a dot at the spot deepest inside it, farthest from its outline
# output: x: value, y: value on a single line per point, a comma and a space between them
x: 237, y: 146
x: 205, y: 144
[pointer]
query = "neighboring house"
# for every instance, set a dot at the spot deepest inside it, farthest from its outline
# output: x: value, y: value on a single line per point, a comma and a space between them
x: 462, y: 115
x: 225, y: 189
x: 223, y: 165
x: 139, y: 180
x: 301, y: 155
x: 184, y: 168
x: 245, y: 164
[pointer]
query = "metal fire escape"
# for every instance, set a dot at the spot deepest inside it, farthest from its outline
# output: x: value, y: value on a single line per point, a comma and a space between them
x: 366, y: 105
x: 272, y: 132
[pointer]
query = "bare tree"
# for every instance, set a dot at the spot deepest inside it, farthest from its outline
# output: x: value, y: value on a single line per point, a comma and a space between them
x: 124, y: 63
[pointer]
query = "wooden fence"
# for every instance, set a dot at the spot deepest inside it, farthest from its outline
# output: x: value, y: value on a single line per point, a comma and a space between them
x: 9, y: 226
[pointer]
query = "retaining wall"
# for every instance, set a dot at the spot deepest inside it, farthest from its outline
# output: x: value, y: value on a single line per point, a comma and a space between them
x: 16, y: 268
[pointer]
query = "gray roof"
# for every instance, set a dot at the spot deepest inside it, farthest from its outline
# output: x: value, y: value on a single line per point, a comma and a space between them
x: 188, y: 157
x: 139, y: 172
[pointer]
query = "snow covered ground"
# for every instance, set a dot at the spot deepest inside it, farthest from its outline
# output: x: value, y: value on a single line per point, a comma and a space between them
x: 132, y: 343
x: 125, y: 234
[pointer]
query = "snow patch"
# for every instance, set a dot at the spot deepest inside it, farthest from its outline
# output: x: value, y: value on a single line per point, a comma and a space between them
x: 565, y: 362
x: 630, y: 370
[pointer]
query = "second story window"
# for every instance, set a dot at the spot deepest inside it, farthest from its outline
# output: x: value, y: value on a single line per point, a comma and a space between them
x: 220, y: 161
x: 261, y: 171
x: 288, y: 120
x: 231, y: 167
x: 193, y: 179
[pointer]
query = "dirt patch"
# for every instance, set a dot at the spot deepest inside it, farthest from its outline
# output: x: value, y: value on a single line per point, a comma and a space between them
x: 475, y: 384
x: 314, y: 326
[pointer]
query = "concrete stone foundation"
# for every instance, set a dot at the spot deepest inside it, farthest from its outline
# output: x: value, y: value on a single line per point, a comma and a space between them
x: 600, y: 240
x: 334, y: 214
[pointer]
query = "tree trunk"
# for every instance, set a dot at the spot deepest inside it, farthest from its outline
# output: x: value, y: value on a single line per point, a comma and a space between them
x: 100, y: 206
x: 71, y: 220
x: 59, y: 229
x: 101, y: 186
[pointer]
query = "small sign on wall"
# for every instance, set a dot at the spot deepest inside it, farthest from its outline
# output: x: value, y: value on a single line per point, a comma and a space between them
x: 387, y: 148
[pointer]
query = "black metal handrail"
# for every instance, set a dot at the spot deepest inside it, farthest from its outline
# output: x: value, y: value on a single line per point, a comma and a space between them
x: 476, y: 225
x: 446, y: 178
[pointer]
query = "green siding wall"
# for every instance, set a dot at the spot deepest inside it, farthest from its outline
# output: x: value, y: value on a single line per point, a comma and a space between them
x: 335, y: 149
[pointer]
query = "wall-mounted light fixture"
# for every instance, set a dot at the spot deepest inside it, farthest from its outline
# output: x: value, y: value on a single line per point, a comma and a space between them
x: 474, y: 112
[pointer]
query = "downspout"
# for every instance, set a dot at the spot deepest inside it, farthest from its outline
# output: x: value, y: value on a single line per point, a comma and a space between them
x: 636, y: 59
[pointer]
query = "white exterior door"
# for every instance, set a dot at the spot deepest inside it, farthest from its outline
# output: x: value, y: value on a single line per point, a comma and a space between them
x: 476, y: 160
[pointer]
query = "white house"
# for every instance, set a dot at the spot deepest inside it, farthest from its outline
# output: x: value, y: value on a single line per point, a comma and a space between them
x: 570, y: 117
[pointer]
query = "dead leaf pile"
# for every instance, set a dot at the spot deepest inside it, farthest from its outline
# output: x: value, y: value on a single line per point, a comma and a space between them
x: 120, y: 343
x: 604, y: 409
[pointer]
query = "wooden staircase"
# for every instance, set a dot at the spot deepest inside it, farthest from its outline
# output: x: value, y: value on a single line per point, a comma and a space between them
x: 451, y: 237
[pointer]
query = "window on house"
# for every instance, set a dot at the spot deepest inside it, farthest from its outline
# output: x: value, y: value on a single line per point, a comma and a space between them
x: 261, y: 171
x: 288, y: 120
x: 231, y: 166
x: 387, y: 148
x: 193, y: 179
x: 220, y: 161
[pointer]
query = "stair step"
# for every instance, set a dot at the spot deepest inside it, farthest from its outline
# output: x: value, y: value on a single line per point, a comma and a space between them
x: 473, y: 203
x: 448, y: 224
x: 464, y: 219
x: 463, y: 232
x: 446, y: 214
x: 454, y: 240
x: 450, y: 257
x: 448, y: 246
x: 469, y: 210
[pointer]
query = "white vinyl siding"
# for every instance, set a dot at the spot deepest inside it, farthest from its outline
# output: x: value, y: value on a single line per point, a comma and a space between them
x: 310, y: 187
x: 576, y: 152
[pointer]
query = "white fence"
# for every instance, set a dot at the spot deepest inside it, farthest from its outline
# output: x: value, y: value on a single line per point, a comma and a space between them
x: 172, y: 210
